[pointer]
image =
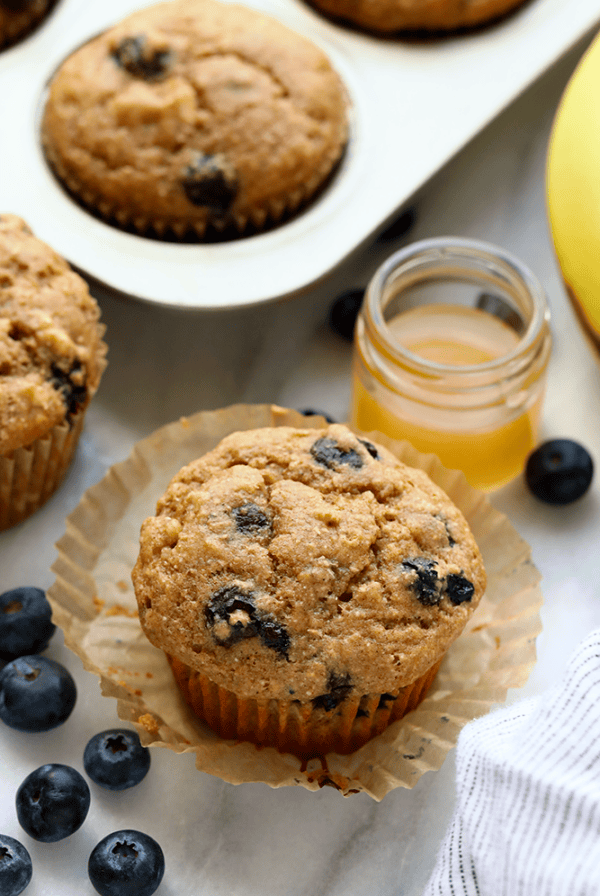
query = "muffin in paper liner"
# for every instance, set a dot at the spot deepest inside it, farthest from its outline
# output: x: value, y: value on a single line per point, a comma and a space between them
x: 94, y: 603
x: 295, y: 728
x: 52, y: 359
x: 195, y: 119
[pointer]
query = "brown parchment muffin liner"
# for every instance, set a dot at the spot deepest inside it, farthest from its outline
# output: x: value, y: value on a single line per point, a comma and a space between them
x: 94, y: 603
x: 294, y: 727
x: 31, y: 474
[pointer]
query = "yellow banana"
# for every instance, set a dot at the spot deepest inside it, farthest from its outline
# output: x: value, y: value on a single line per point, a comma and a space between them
x: 573, y: 189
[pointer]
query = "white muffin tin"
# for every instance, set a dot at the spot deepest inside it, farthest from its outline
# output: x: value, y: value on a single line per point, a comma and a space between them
x: 413, y: 106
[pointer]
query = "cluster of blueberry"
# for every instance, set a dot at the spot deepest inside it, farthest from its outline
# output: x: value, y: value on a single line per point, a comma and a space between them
x: 37, y: 694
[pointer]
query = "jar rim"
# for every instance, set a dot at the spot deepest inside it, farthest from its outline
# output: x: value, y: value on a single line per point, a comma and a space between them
x: 436, y: 250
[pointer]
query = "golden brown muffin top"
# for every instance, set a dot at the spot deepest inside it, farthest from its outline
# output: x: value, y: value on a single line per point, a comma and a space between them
x: 192, y: 113
x: 298, y: 564
x: 51, y: 350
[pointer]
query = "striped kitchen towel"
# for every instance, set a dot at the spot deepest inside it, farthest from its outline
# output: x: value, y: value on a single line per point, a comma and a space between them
x: 527, y: 816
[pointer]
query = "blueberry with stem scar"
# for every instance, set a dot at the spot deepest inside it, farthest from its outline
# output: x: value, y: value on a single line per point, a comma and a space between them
x: 126, y: 863
x: 16, y: 869
x: 115, y: 759
x: 52, y: 802
x: 559, y: 471
x: 36, y: 694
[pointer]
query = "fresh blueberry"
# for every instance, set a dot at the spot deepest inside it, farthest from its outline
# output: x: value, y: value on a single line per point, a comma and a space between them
x: 115, y: 759
x: 25, y: 622
x: 36, y: 694
x: 15, y: 866
x: 52, y: 802
x: 344, y: 311
x: 399, y: 226
x: 126, y: 863
x: 314, y: 412
x: 559, y: 471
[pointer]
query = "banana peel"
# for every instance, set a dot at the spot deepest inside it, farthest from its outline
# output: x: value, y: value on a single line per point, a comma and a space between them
x: 573, y: 190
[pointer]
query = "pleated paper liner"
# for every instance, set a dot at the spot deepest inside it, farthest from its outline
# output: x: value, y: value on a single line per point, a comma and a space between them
x: 294, y: 727
x: 94, y: 603
x: 30, y: 475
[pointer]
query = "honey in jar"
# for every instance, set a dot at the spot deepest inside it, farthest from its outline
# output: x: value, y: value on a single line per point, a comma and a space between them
x: 451, y: 350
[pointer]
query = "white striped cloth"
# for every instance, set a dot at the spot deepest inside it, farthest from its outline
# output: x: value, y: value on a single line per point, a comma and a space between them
x: 527, y: 816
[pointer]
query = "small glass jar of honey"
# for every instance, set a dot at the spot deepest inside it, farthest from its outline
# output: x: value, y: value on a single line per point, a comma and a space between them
x: 451, y: 351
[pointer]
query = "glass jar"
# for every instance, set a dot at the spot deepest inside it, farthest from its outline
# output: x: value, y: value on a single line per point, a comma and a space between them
x: 451, y: 350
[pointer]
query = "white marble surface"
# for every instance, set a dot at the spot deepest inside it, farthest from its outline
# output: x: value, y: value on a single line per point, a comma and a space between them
x: 251, y: 840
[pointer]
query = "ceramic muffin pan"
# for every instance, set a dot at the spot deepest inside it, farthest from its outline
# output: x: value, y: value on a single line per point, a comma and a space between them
x: 413, y: 105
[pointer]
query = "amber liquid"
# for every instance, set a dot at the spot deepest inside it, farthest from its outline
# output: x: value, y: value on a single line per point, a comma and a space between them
x: 490, y: 447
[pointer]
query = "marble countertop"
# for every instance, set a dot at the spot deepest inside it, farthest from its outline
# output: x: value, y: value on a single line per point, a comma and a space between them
x: 249, y: 840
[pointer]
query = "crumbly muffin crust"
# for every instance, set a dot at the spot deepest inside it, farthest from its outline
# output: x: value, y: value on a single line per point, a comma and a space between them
x: 417, y: 15
x: 18, y: 17
x: 192, y: 114
x: 305, y: 564
x: 51, y: 349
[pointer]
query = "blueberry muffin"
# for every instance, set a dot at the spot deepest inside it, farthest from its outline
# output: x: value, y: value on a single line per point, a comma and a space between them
x: 195, y: 116
x: 388, y: 16
x: 51, y: 360
x: 305, y: 585
x: 19, y: 17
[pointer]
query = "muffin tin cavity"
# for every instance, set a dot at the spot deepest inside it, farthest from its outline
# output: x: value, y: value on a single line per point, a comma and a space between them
x: 195, y: 118
x: 413, y: 105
